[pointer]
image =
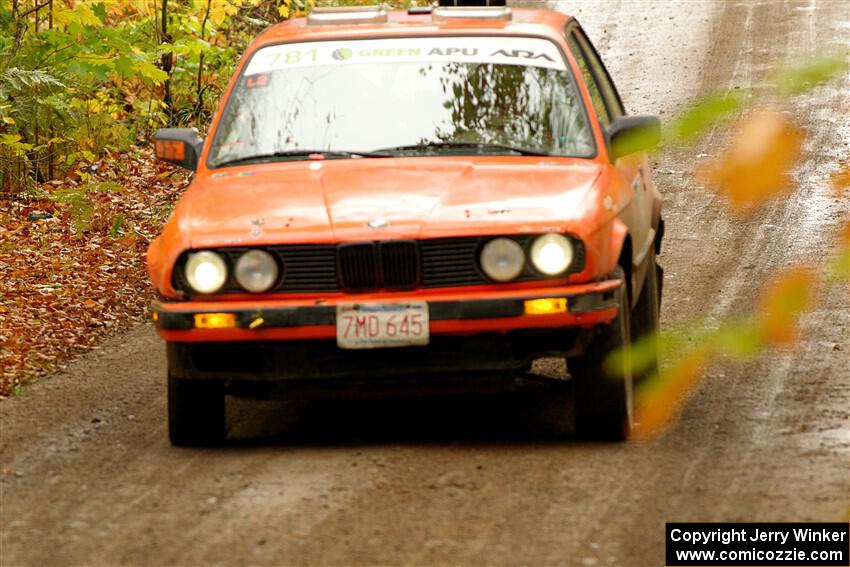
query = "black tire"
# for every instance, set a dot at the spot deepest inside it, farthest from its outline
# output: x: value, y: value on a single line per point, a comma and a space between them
x: 196, y: 416
x: 647, y: 313
x: 603, y: 402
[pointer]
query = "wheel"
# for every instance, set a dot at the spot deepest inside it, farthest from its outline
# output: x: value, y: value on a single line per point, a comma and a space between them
x: 646, y: 314
x: 603, y: 401
x: 195, y: 412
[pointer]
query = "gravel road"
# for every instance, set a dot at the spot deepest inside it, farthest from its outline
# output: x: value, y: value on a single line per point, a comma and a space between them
x: 89, y: 477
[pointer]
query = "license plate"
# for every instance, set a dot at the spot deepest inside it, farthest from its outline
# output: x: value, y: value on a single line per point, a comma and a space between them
x: 382, y: 325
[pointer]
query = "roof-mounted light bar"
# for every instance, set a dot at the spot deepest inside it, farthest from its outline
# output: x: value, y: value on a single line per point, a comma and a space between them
x: 342, y: 15
x: 449, y: 13
x: 458, y: 3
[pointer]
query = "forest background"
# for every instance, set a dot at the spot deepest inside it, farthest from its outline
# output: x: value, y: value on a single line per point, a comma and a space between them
x: 83, y: 86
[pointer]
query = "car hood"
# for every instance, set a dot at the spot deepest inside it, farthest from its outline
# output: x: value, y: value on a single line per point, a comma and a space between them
x: 335, y: 200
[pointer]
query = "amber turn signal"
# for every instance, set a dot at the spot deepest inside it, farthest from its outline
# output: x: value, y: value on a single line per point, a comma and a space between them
x: 215, y: 320
x: 546, y: 306
x: 170, y: 150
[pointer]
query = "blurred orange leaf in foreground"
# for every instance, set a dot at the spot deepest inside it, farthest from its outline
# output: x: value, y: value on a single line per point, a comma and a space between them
x: 658, y: 402
x: 841, y: 179
x: 789, y: 294
x: 754, y: 168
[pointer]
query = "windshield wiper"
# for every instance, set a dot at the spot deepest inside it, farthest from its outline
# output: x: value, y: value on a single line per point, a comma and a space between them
x: 461, y: 145
x: 295, y: 154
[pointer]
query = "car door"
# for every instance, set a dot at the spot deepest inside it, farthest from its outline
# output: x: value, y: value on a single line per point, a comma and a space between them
x: 632, y: 168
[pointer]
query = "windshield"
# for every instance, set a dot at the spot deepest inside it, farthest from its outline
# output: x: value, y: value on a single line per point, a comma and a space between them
x: 412, y: 96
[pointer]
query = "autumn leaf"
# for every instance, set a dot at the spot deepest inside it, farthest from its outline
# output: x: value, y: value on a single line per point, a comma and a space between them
x: 149, y: 71
x: 64, y: 293
x: 658, y: 402
x: 755, y: 167
x: 841, y: 179
x: 81, y: 14
x: 782, y: 302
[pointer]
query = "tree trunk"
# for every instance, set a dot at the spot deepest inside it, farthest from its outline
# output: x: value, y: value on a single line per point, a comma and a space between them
x: 50, y: 147
x: 200, y: 103
x: 165, y: 64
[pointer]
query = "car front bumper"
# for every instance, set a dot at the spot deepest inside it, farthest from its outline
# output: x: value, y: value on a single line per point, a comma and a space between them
x: 294, y: 353
x: 588, y: 305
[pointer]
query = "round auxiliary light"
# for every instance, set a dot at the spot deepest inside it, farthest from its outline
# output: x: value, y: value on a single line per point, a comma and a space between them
x: 256, y: 271
x: 206, y: 271
x: 502, y: 259
x: 552, y: 254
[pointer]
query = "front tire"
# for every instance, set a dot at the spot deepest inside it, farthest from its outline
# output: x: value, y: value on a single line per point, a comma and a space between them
x: 646, y: 314
x: 603, y: 400
x: 196, y: 414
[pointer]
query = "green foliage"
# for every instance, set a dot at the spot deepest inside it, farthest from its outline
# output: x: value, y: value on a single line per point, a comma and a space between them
x: 79, y: 78
x: 720, y: 107
x: 705, y: 114
x: 16, y: 81
x: 117, y: 227
x: 83, y: 77
x: 82, y: 209
x: 810, y: 73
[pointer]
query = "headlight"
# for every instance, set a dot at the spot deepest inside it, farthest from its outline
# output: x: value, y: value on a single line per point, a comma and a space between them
x: 206, y: 271
x: 552, y: 254
x: 502, y: 259
x: 256, y: 271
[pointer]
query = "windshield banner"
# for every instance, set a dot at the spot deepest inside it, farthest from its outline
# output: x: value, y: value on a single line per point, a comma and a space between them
x: 524, y: 51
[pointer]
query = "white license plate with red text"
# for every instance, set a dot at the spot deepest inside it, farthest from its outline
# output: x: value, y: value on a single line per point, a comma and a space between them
x: 382, y: 325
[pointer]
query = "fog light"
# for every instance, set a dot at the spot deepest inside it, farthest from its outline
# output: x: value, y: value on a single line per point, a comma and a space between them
x: 215, y: 320
x: 546, y: 306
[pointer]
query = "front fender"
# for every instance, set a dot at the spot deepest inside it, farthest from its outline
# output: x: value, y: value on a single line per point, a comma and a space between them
x: 164, y: 251
x: 607, y: 245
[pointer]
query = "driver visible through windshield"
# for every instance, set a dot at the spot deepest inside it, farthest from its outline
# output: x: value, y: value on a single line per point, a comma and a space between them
x: 410, y: 96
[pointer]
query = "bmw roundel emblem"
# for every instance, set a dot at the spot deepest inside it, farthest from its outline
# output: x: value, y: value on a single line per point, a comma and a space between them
x: 378, y: 223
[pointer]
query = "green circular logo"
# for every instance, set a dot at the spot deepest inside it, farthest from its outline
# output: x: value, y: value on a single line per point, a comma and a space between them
x: 342, y: 53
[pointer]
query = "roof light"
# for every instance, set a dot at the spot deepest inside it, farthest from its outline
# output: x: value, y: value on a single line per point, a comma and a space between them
x: 449, y: 13
x: 340, y: 15
x: 472, y: 2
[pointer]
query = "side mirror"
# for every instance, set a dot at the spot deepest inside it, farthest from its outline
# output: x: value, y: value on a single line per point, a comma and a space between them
x: 180, y: 146
x: 632, y: 134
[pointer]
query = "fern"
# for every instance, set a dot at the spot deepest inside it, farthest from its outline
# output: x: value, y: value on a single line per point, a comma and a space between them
x: 15, y: 81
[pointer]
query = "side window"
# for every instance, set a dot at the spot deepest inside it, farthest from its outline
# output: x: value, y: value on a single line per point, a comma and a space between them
x: 592, y: 86
x: 606, y: 85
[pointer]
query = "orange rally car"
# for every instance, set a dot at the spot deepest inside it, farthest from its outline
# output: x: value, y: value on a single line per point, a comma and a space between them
x: 430, y: 198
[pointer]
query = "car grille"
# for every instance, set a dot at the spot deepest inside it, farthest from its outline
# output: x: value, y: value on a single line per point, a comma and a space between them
x: 368, y: 266
x: 358, y: 266
x: 399, y: 264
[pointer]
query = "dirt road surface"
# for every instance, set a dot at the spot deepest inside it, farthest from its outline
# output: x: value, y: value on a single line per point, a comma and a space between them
x: 90, y: 478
